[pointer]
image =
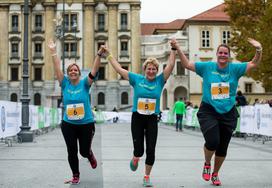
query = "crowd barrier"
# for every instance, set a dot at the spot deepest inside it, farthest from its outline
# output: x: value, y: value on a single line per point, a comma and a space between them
x: 253, y: 120
x: 39, y: 118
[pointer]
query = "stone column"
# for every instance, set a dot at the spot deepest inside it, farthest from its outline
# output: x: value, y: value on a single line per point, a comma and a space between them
x: 49, y: 34
x: 4, y: 43
x: 135, y: 38
x: 113, y: 40
x: 88, y: 36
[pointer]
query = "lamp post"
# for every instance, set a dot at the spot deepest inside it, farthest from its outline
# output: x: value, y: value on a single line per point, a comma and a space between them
x: 74, y: 28
x: 25, y: 135
x: 60, y: 33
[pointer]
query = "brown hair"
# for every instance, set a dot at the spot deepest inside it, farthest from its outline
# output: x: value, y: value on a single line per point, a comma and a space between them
x: 70, y: 66
x: 152, y: 61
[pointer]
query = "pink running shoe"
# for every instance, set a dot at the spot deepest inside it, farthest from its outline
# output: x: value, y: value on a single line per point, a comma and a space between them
x: 215, y: 179
x: 93, y: 161
x: 206, y: 174
x: 75, y: 180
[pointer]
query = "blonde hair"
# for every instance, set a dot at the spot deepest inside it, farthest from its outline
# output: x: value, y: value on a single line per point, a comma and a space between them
x: 70, y: 66
x: 151, y: 61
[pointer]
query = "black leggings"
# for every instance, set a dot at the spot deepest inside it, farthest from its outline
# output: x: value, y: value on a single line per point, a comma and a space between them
x: 84, y: 134
x: 144, y: 125
x: 217, y: 128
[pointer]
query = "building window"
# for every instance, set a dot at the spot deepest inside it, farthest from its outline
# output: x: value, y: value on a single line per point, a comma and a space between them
x: 124, y: 98
x: 37, y: 74
x: 180, y: 69
x: 70, y: 21
x: 70, y: 49
x: 37, y: 99
x: 248, y: 87
x: 124, y: 48
x: 225, y: 37
x: 14, y: 23
x: 13, y: 97
x: 38, y: 22
x: 15, y: 49
x: 38, y: 49
x: 205, y: 39
x: 101, y: 72
x: 101, y: 99
x: 14, y: 73
x: 124, y: 21
x: 101, y: 22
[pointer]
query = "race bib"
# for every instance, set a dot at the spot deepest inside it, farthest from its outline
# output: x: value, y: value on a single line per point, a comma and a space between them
x: 146, y: 106
x: 75, y: 111
x: 220, y: 90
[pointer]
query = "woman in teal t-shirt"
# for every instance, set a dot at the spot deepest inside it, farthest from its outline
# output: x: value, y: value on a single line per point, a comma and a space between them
x: 217, y: 113
x: 146, y: 107
x: 78, y: 122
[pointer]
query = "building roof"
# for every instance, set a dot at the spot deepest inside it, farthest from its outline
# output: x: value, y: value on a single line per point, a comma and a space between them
x: 152, y: 28
x: 214, y: 14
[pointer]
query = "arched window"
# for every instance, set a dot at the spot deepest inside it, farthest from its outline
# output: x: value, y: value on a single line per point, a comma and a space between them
x: 37, y: 99
x: 124, y: 98
x: 101, y: 98
x: 13, y: 97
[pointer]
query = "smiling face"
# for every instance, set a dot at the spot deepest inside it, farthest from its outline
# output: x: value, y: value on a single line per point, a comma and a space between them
x: 151, y: 68
x: 73, y: 72
x: 223, y: 55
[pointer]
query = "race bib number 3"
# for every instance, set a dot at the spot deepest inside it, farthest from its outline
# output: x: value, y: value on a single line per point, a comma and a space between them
x: 75, y: 111
x: 146, y: 106
x: 220, y: 90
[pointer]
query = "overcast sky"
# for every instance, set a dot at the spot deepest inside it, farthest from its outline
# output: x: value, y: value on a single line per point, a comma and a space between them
x: 163, y: 11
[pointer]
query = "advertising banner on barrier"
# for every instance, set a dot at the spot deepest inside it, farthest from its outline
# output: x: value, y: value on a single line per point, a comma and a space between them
x: 41, y: 116
x: 33, y: 117
x: 247, y: 121
x: 10, y: 118
x: 265, y: 120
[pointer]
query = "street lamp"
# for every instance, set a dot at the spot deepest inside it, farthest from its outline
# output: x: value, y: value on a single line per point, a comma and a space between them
x: 74, y: 28
x: 60, y: 33
x: 25, y: 135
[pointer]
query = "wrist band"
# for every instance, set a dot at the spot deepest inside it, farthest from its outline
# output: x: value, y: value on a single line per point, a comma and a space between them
x: 100, y: 55
x: 54, y: 54
x: 174, y: 49
x: 91, y: 76
x: 109, y: 57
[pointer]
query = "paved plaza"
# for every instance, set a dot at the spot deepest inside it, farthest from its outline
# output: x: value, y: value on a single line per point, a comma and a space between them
x: 179, y: 160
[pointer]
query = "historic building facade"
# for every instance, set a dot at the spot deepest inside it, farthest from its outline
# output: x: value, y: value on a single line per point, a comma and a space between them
x: 88, y: 24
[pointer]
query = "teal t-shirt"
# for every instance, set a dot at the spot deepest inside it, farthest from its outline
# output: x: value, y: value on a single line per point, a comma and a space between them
x: 76, y: 101
x: 220, y: 85
x: 144, y: 88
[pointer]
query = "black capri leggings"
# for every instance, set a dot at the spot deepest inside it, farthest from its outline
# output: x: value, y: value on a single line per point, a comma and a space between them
x: 144, y: 125
x: 84, y: 134
x: 217, y: 128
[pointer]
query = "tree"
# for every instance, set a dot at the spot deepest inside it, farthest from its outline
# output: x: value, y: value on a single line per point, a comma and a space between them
x: 252, y: 18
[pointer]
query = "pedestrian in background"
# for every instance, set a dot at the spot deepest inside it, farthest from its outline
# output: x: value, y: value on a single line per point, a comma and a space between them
x: 78, y: 122
x: 146, y: 107
x: 179, y: 110
x: 217, y: 114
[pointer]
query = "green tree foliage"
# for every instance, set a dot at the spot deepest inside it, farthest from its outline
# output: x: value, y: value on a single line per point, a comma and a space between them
x: 252, y: 18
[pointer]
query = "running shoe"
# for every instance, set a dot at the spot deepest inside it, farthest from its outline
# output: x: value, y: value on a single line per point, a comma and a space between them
x: 146, y: 182
x: 206, y: 174
x: 215, y: 179
x: 134, y: 164
x: 75, y: 180
x: 93, y: 161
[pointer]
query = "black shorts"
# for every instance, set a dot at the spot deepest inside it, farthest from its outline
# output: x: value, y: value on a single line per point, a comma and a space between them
x: 208, y: 118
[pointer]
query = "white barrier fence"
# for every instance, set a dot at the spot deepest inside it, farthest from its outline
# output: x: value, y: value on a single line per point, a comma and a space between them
x: 39, y: 117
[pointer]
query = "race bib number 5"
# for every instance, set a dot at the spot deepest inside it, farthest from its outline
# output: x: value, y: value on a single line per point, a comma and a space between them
x: 220, y: 90
x: 75, y: 111
x: 146, y: 106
